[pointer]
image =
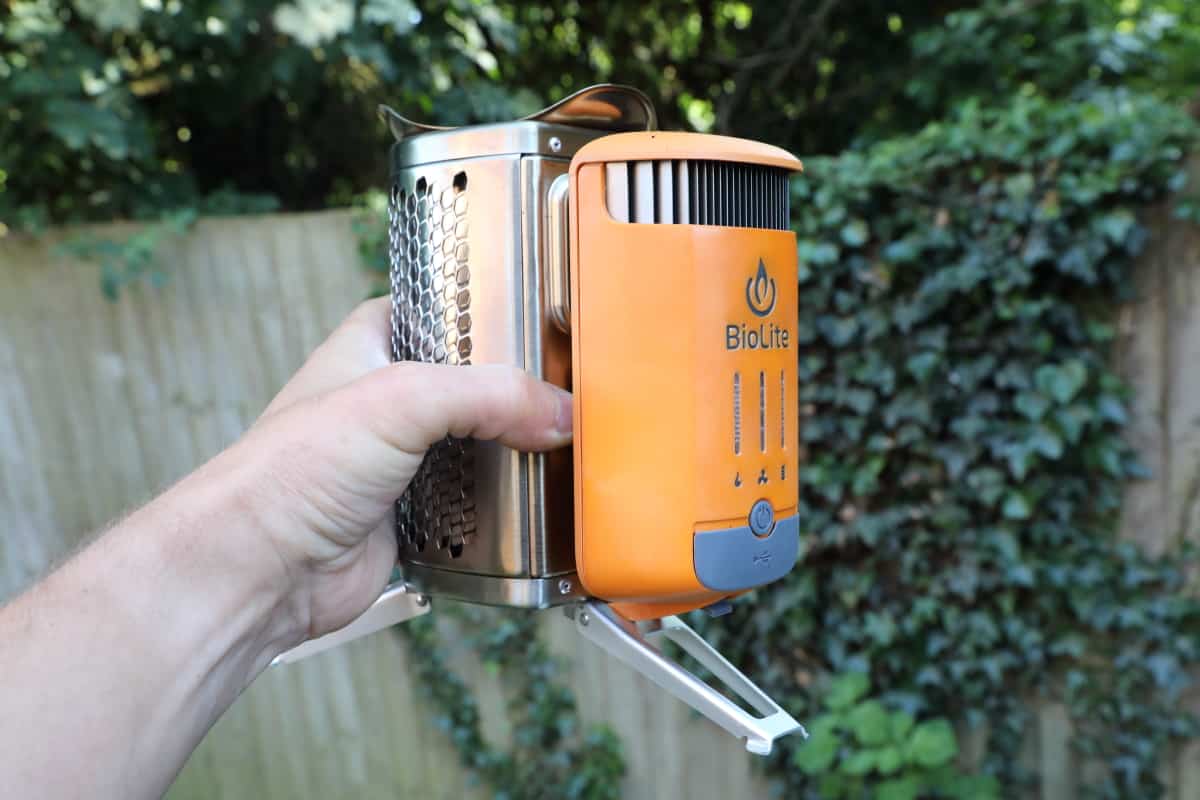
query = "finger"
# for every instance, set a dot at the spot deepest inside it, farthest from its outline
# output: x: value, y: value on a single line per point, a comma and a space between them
x: 343, y: 457
x: 360, y: 344
x: 413, y: 405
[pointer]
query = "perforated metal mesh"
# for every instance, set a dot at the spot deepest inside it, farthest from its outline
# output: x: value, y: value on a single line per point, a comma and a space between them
x: 431, y: 322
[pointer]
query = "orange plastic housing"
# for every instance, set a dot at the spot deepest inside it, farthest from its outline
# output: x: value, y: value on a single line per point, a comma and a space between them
x: 657, y: 339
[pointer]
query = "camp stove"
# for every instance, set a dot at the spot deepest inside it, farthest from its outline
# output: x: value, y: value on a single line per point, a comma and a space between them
x: 652, y: 273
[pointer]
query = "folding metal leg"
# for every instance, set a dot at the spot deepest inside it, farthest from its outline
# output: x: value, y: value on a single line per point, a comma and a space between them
x: 637, y: 648
x: 397, y: 604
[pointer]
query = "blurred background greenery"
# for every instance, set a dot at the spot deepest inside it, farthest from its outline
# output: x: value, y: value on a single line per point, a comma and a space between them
x: 974, y: 206
x: 124, y: 108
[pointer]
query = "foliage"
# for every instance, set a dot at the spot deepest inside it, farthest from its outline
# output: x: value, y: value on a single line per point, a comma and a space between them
x: 857, y: 743
x: 1061, y: 49
x: 370, y: 226
x: 139, y: 257
x: 551, y: 759
x: 962, y: 426
x: 121, y: 108
x: 124, y: 108
x: 134, y: 258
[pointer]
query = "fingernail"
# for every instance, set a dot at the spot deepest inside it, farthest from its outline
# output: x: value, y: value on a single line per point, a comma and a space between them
x: 563, y: 419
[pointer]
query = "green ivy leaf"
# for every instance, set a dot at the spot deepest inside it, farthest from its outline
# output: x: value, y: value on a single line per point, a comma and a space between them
x: 866, y: 477
x: 902, y: 722
x: 817, y: 253
x: 1112, y: 410
x: 1071, y: 421
x: 922, y: 365
x: 838, y: 331
x: 833, y: 786
x: 1116, y: 225
x: 855, y: 233
x: 889, y: 759
x: 846, y: 689
x: 400, y: 15
x: 907, y: 787
x: 825, y: 725
x: 1032, y: 405
x: 905, y: 250
x: 78, y: 124
x: 987, y: 483
x: 1019, y: 186
x: 860, y: 763
x: 1018, y: 457
x: 869, y: 723
x: 816, y: 755
x: 1016, y: 506
x: 881, y: 628
x: 1047, y: 442
x: 932, y: 744
x: 1062, y: 382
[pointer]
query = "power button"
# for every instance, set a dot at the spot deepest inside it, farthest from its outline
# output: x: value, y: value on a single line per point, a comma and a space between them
x: 762, y: 517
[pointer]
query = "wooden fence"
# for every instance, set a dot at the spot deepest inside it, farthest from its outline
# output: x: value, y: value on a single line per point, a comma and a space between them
x: 103, y: 403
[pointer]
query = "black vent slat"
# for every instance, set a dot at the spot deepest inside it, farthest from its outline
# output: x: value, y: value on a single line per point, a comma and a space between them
x: 688, y: 192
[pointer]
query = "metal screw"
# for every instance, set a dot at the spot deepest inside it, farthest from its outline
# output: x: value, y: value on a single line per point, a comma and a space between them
x: 564, y: 586
x: 422, y: 600
x: 555, y: 144
x: 584, y: 618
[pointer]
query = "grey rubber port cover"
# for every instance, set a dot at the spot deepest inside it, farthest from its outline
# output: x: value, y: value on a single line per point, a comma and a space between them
x: 733, y: 559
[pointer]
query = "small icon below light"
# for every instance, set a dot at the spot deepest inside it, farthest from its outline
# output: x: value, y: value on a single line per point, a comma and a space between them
x: 737, y: 480
x: 783, y: 473
x: 762, y: 477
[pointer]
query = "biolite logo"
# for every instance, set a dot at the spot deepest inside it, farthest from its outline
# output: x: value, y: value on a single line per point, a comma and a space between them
x: 760, y: 292
x: 760, y: 297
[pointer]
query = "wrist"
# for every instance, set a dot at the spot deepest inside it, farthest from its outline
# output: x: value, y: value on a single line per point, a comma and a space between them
x: 174, y: 611
x: 209, y: 533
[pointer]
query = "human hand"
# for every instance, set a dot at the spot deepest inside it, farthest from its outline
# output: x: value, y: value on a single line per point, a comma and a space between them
x: 319, y: 471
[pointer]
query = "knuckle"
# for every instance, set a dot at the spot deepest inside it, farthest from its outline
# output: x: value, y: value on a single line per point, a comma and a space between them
x: 517, y: 392
x: 410, y: 376
x: 411, y: 383
x: 369, y: 317
x: 369, y: 310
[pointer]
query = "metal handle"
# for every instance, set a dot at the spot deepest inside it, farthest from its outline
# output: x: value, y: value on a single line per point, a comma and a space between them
x: 558, y: 249
x: 397, y: 604
x: 624, y: 640
x: 603, y: 107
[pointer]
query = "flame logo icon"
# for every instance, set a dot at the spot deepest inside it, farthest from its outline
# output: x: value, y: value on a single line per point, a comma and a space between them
x: 760, y: 292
